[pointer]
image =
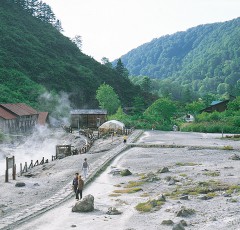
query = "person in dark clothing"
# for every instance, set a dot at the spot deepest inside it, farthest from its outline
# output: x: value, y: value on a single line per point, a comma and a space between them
x: 80, y: 186
x: 75, y: 185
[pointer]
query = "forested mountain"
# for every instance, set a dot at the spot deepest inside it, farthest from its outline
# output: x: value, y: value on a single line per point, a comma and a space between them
x: 35, y: 57
x: 203, y: 59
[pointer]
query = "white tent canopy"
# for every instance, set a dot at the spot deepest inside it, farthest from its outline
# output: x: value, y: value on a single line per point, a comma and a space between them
x: 112, y: 125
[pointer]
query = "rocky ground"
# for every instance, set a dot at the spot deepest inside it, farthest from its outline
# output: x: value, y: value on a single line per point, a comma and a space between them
x: 178, y: 181
x: 43, y: 181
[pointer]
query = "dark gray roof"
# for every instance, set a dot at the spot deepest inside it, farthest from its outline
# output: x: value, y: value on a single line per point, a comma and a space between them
x: 89, y: 111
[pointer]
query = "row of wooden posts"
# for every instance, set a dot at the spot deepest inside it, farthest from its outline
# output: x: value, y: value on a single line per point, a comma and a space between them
x: 10, y: 161
x: 31, y: 165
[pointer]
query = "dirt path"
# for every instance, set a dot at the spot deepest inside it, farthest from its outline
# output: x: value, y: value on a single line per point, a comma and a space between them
x: 44, y: 182
x: 203, y: 182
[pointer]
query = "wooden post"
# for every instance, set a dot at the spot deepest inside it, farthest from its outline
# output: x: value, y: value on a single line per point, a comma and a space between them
x: 20, y: 169
x: 14, y: 172
x: 31, y: 164
x: 6, y: 176
x: 6, y: 172
x: 42, y: 161
x: 14, y: 169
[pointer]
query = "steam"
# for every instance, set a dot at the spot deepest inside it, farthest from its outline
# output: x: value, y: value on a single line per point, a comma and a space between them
x: 42, y: 142
x: 58, y: 107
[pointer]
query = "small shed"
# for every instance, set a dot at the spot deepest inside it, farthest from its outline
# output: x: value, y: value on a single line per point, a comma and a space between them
x: 88, y: 118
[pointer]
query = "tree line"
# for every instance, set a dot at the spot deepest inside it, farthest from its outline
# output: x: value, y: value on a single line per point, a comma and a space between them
x: 201, y: 60
x: 39, y: 10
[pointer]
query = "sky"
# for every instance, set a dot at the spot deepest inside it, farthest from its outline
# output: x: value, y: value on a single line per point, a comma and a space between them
x: 111, y: 28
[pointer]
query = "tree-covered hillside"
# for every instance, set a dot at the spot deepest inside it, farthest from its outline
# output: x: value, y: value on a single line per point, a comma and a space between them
x: 204, y: 59
x: 35, y: 57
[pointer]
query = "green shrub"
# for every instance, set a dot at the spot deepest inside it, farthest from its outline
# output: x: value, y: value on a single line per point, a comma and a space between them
x: 227, y: 147
x: 210, y: 127
x: 128, y: 190
x: 149, y: 205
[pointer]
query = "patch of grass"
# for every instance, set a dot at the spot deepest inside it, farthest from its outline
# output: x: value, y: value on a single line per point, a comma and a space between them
x: 186, y: 164
x: 129, y: 190
x: 115, y: 195
x: 183, y: 175
x: 149, y: 177
x: 211, y: 194
x: 232, y: 200
x: 212, y: 173
x: 144, y: 207
x: 132, y: 184
x: 203, y: 187
x: 227, y: 147
x: 117, y: 185
x: 145, y: 194
x: 233, y: 189
x: 193, y: 193
x: 149, y: 205
x: 143, y: 176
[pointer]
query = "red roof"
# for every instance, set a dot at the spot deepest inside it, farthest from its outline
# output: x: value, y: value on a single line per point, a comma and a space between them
x: 42, y: 118
x: 6, y: 115
x: 19, y: 109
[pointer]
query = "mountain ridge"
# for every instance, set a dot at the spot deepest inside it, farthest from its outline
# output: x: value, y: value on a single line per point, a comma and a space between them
x: 35, y: 57
x: 192, y: 56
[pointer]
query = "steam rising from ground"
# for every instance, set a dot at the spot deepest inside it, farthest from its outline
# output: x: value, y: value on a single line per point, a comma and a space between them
x: 58, y: 107
x: 42, y: 142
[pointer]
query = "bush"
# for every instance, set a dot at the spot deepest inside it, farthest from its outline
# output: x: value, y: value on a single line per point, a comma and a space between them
x: 211, y: 127
x: 149, y: 205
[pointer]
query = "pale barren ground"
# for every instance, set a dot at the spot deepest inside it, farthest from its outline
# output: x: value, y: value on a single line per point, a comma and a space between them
x: 189, y: 167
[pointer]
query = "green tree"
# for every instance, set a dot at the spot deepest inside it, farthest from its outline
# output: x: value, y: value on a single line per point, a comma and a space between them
x: 234, y: 105
x: 119, y: 115
x: 107, y: 98
x: 195, y: 107
x: 139, y: 105
x: 122, y: 71
x: 145, y: 84
x: 77, y: 40
x: 162, y: 108
x: 105, y: 61
x: 222, y: 88
x: 58, y: 25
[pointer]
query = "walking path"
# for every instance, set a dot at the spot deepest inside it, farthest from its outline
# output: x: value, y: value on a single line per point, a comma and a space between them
x: 66, y: 192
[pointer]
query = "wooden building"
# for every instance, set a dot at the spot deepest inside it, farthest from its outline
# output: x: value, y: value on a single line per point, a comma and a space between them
x: 7, y: 121
x: 218, y: 106
x: 88, y: 118
x: 43, y: 118
x: 18, y: 118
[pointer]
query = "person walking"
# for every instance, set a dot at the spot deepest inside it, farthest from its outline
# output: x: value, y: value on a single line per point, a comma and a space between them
x: 85, y: 168
x: 75, y: 185
x: 80, y: 186
x: 124, y: 139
